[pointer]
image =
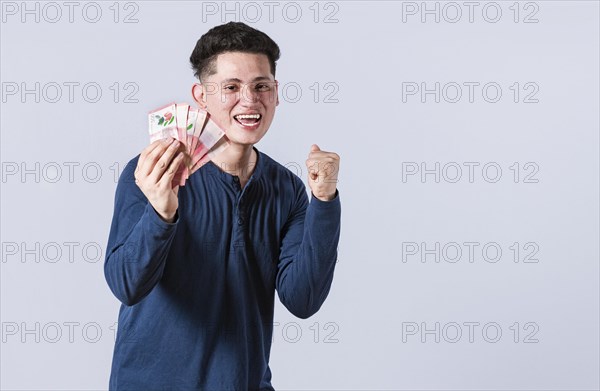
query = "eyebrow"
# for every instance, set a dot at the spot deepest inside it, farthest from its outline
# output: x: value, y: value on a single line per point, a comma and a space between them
x: 236, y: 80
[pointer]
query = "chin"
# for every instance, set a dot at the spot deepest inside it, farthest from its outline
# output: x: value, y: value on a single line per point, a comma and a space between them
x: 245, y: 140
x: 244, y: 136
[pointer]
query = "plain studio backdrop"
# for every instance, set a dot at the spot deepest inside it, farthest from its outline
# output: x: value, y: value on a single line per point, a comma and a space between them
x: 468, y: 136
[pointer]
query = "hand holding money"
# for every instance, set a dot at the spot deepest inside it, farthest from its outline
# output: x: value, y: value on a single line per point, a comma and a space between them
x: 154, y: 174
x: 201, y: 139
x: 323, y: 170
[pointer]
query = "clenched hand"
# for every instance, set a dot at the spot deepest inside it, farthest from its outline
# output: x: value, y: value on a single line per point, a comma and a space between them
x: 323, y: 170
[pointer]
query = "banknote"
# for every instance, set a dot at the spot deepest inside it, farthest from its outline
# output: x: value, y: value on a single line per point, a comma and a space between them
x: 219, y: 146
x: 182, y: 110
x: 194, y: 134
x: 209, y: 137
x: 162, y: 123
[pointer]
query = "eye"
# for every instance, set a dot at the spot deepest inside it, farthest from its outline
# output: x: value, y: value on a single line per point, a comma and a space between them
x: 263, y: 87
x: 230, y: 88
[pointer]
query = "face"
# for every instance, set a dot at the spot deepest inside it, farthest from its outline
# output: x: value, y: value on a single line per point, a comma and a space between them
x: 240, y: 97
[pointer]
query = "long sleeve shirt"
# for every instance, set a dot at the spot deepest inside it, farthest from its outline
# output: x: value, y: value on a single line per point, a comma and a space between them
x: 197, y: 296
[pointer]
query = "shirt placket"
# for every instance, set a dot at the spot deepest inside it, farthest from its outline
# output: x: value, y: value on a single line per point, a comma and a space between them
x: 240, y: 215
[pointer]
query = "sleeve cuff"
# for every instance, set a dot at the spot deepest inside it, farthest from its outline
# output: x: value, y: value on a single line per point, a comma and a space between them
x: 156, y: 219
x: 335, y: 201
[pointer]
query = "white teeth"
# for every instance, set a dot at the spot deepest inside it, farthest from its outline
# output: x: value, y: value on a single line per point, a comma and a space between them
x: 243, y: 116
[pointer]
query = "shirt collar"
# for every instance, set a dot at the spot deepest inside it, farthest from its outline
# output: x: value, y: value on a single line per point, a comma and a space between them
x: 213, y: 169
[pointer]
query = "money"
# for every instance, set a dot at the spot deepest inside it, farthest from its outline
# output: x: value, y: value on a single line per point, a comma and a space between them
x: 221, y: 144
x: 161, y: 123
x: 207, y: 140
x: 201, y: 121
x: 201, y: 138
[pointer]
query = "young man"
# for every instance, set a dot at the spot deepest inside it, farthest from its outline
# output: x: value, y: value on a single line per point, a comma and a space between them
x: 196, y: 268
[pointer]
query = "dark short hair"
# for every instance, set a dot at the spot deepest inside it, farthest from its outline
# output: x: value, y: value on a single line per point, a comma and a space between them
x: 230, y: 37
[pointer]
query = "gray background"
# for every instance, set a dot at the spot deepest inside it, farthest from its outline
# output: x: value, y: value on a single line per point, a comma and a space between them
x: 58, y: 315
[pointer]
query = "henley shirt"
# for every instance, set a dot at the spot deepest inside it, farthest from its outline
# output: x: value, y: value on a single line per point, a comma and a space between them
x: 197, y: 296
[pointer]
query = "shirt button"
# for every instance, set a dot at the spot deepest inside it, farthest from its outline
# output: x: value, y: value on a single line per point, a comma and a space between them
x: 236, y: 179
x: 240, y: 221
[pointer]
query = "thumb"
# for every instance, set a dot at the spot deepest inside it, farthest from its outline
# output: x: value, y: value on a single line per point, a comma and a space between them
x: 314, y: 148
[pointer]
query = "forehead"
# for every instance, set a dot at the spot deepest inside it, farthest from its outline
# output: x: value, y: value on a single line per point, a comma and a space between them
x: 242, y: 66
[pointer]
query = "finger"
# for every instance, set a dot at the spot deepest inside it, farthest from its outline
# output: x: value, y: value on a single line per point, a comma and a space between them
x: 149, y: 149
x: 148, y: 158
x: 145, y: 153
x: 314, y: 166
x: 318, y: 155
x: 314, y: 148
x: 163, y: 162
x: 313, y: 170
x: 327, y: 170
x: 153, y: 156
x: 317, y: 163
x: 167, y: 177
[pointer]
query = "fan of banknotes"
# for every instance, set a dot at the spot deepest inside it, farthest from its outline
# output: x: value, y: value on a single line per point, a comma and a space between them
x: 201, y: 138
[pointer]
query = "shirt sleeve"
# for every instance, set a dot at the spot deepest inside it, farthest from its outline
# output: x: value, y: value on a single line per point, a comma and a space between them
x: 138, y: 243
x: 308, y: 253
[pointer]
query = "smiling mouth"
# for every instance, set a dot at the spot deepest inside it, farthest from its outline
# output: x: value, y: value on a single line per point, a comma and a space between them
x: 248, y: 120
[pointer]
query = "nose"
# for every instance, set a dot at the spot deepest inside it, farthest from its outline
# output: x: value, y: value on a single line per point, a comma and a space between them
x: 249, y: 95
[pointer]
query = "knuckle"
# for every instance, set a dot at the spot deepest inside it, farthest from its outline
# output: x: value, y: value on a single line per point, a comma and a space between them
x: 152, y: 156
x: 156, y: 152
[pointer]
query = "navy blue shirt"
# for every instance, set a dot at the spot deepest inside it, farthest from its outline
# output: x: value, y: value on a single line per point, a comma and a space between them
x: 198, y: 294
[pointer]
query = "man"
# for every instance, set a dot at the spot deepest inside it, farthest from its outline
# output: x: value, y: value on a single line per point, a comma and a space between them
x: 196, y: 268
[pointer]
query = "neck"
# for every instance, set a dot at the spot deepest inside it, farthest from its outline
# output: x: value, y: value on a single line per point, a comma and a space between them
x: 238, y: 160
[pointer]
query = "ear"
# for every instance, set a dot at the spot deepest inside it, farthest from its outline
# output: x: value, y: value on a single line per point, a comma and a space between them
x: 199, y: 95
x: 276, y: 92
